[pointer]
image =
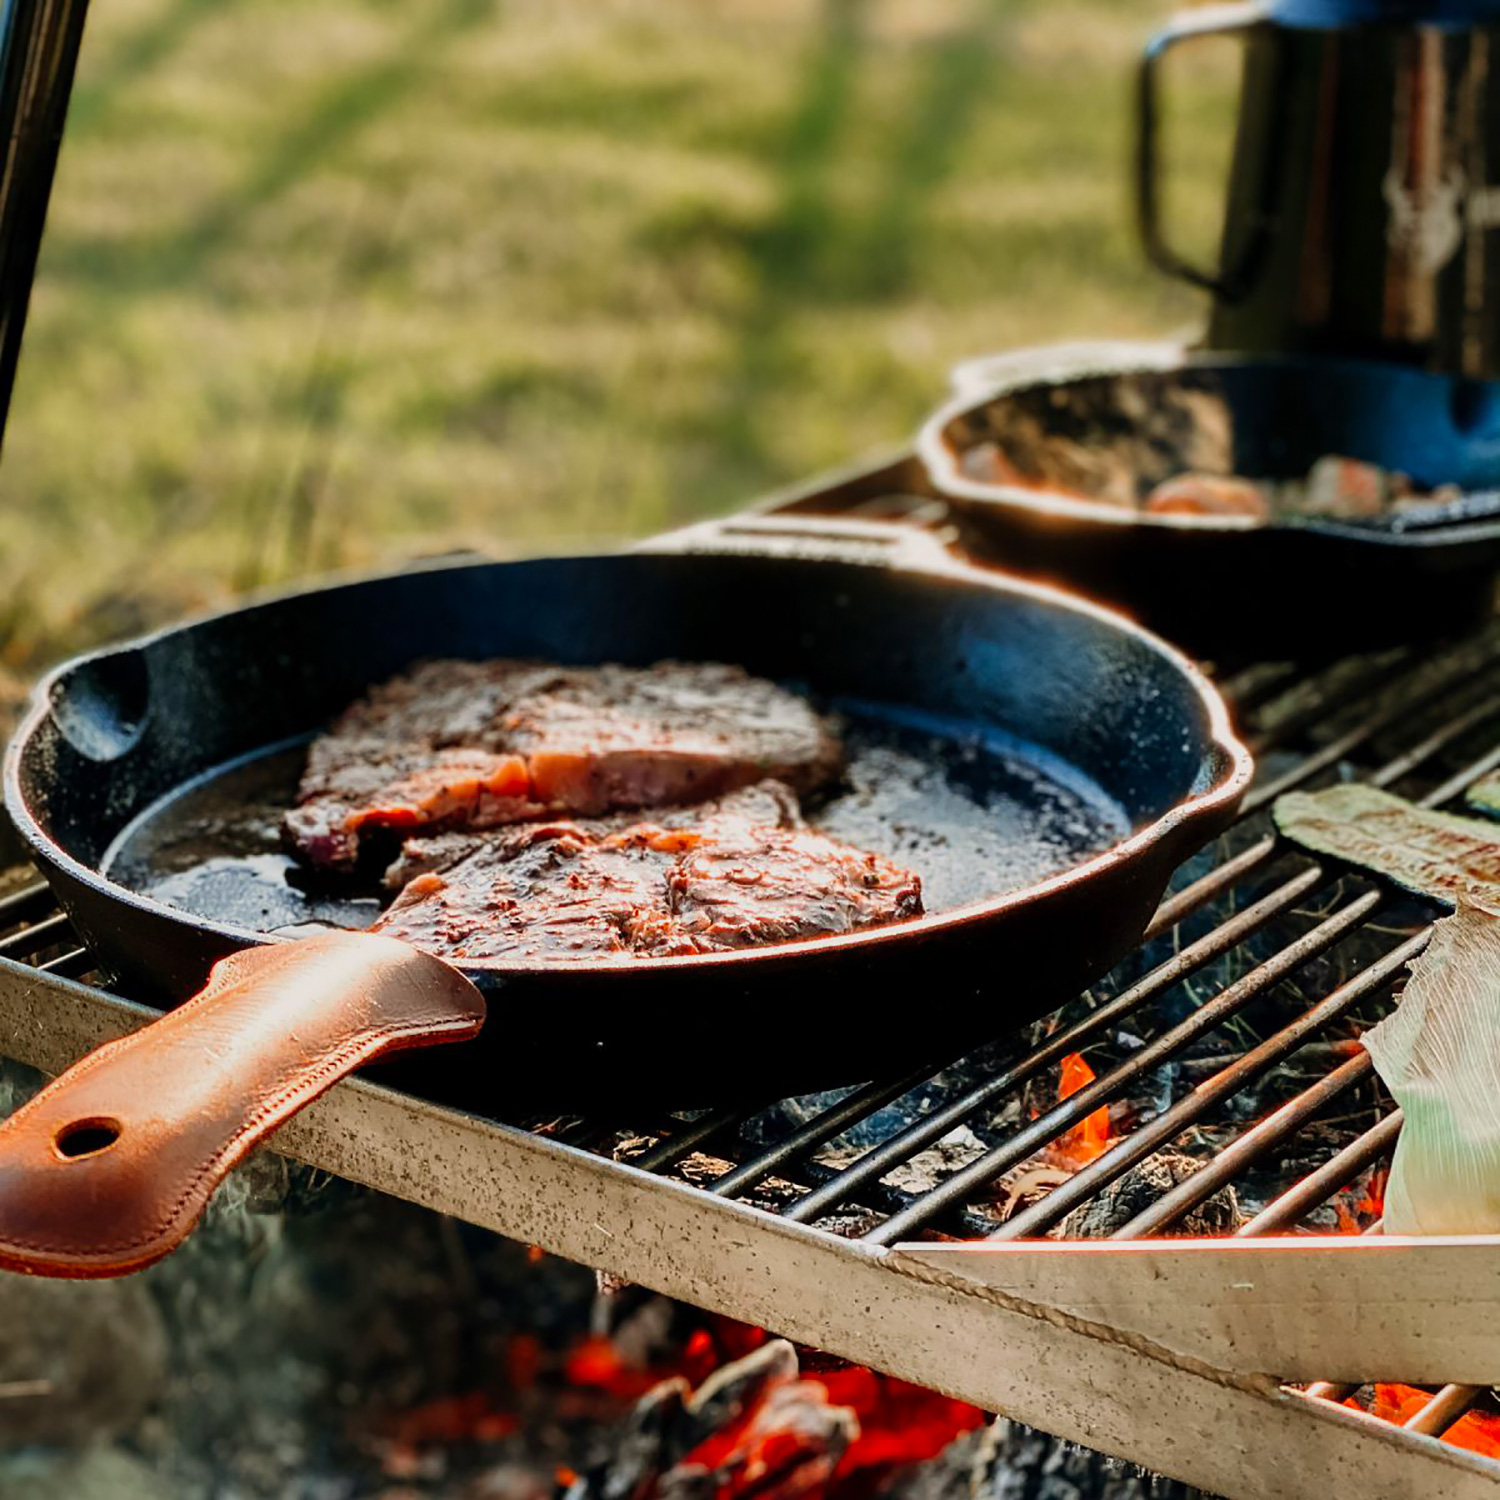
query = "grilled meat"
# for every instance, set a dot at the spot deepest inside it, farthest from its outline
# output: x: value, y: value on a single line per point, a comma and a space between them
x: 472, y: 745
x: 737, y: 873
x: 770, y: 803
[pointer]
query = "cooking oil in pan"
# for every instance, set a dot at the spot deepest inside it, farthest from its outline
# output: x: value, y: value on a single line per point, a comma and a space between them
x: 974, y: 817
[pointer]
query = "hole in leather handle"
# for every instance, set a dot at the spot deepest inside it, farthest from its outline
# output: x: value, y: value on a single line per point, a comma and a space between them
x: 86, y: 1138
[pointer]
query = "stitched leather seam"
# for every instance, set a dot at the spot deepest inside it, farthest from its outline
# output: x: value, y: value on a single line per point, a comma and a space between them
x: 306, y: 1083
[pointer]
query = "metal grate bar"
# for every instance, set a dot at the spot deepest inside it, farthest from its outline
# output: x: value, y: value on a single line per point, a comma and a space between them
x: 29, y: 940
x: 1257, y: 683
x: 1444, y: 1409
x: 1070, y: 1111
x: 1141, y: 1143
x: 668, y: 1152
x: 1313, y: 705
x: 73, y: 964
x: 923, y: 1132
x: 1287, y: 1211
x: 932, y: 1127
x: 1232, y: 871
x: 1232, y: 1161
x: 1328, y: 1390
x: 1354, y: 737
x: 1461, y: 780
x: 1452, y: 729
x: 27, y: 904
x: 818, y: 1131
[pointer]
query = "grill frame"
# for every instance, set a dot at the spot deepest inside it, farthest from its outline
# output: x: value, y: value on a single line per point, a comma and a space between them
x: 1161, y: 1355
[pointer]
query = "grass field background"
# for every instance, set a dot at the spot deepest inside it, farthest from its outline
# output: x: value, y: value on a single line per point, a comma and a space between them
x: 332, y: 283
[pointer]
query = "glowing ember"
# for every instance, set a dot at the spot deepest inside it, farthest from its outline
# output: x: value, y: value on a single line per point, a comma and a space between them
x: 1478, y: 1431
x: 898, y: 1423
x: 435, y: 1424
x: 1089, y: 1137
x: 834, y: 1433
x: 1369, y: 1206
x: 598, y: 1364
x: 734, y: 1414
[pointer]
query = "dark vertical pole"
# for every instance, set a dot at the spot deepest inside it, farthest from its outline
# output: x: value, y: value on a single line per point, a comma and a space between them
x: 38, y: 53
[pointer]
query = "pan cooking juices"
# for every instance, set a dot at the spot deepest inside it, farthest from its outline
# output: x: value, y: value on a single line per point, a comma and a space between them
x: 973, y: 817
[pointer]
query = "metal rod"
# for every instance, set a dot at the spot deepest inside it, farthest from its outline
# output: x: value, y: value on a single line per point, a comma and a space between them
x: 1440, y: 737
x: 33, y: 939
x: 819, y: 1130
x: 681, y: 1143
x: 1460, y: 780
x: 1368, y: 677
x: 1256, y: 683
x: 1230, y: 1162
x: 27, y: 904
x: 1206, y: 887
x: 1444, y: 1409
x: 1232, y: 871
x: 1068, y: 1112
x: 73, y: 964
x: 1328, y: 1390
x: 1171, y: 1122
x: 1287, y: 1211
x: 1340, y: 746
x: 932, y: 1127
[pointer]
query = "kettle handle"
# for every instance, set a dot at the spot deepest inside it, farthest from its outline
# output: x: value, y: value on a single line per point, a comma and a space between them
x: 1211, y: 20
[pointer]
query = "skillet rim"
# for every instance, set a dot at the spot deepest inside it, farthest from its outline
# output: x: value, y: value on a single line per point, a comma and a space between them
x: 1217, y: 801
x: 1043, y: 364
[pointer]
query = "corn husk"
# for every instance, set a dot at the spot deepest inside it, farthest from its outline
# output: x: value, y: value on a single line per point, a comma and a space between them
x: 1485, y: 795
x: 1433, y: 853
x: 1439, y: 1055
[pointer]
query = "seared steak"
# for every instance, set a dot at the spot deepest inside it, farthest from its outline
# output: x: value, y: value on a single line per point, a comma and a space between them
x: 770, y: 803
x: 460, y: 744
x: 733, y: 874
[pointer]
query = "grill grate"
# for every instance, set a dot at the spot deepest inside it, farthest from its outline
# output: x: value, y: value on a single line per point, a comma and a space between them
x: 1251, y: 927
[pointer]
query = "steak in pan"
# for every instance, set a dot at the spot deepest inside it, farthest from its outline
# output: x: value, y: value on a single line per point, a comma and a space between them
x: 464, y: 744
x: 735, y: 873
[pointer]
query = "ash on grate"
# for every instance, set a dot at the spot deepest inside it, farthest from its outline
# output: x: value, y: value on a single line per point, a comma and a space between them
x: 1114, y: 1206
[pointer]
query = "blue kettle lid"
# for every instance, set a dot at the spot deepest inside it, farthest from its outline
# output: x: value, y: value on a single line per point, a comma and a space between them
x: 1331, y: 14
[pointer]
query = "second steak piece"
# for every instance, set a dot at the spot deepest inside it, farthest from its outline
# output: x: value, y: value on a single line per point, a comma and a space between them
x: 744, y: 872
x: 460, y: 744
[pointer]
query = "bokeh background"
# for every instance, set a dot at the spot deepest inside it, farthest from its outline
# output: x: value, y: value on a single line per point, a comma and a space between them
x: 334, y: 283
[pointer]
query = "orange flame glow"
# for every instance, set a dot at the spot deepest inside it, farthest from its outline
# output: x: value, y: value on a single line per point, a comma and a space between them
x: 898, y: 1423
x: 1089, y: 1137
x: 768, y: 1451
x: 1370, y: 1206
x: 1477, y: 1431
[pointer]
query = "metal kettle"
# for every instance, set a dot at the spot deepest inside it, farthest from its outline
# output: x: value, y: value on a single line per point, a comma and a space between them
x: 1363, y: 209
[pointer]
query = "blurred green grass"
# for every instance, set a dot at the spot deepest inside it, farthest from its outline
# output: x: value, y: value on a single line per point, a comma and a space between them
x: 332, y: 283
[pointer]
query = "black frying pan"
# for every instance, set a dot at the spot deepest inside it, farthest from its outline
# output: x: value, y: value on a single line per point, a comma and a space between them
x: 1220, y: 585
x: 1053, y: 765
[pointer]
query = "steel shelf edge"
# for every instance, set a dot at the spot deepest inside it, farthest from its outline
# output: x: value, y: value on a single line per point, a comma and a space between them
x: 1111, y: 1388
x: 1309, y: 1307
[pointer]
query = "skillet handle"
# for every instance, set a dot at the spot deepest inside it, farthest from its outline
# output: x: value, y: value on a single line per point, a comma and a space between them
x: 111, y: 1165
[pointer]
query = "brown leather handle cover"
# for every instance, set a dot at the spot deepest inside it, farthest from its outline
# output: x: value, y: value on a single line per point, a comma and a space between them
x: 109, y: 1168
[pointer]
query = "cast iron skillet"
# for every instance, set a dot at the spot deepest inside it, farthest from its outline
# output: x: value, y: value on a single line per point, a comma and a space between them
x: 1222, y: 586
x: 875, y: 621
